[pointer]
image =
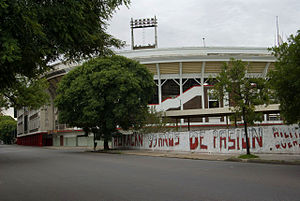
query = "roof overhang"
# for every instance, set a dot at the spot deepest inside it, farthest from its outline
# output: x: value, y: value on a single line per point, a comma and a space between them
x: 215, y: 112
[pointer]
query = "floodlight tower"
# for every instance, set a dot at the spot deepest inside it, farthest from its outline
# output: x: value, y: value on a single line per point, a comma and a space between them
x: 143, y: 23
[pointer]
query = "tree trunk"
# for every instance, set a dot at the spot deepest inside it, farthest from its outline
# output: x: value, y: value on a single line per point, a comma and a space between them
x: 106, y: 133
x: 95, y: 144
x: 106, y: 147
x: 247, y: 139
x: 235, y: 124
x: 246, y: 132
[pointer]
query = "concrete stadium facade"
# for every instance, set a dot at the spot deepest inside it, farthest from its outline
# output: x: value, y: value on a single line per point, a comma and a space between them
x: 184, y: 77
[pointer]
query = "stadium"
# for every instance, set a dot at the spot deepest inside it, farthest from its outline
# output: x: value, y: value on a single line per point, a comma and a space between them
x: 184, y: 77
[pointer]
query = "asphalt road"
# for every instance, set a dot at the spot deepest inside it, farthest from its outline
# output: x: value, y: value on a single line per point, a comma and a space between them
x: 38, y: 174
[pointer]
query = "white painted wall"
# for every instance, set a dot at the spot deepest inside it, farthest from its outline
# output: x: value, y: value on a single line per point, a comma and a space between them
x: 269, y: 139
x: 72, y: 140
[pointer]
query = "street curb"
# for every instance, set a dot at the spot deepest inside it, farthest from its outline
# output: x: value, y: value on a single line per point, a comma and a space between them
x: 257, y: 160
x: 166, y: 155
x: 231, y: 159
x: 191, y: 157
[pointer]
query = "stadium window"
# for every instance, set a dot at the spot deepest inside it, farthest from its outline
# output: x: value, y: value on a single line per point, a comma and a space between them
x: 274, y: 117
x: 170, y: 89
x: 189, y: 83
x: 25, y: 123
x: 212, y: 100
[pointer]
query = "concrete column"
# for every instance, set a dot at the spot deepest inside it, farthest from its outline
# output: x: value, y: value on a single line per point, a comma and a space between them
x: 181, y: 90
x: 155, y: 30
x: 159, y: 84
x: 202, y: 87
x: 266, y: 70
x: 132, y: 36
x: 180, y: 84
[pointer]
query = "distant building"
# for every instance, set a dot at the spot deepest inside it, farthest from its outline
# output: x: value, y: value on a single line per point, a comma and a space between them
x: 182, y: 79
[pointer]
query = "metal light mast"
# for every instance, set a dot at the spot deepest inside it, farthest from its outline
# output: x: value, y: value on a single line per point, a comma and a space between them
x: 143, y: 23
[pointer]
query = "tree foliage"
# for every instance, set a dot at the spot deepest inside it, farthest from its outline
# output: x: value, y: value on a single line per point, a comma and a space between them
x: 35, y: 33
x: 25, y: 92
x: 155, y: 122
x: 285, y: 78
x: 104, y: 94
x: 7, y: 128
x: 243, y: 93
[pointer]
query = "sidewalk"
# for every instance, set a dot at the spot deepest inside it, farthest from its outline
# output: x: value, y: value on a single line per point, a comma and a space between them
x: 292, y: 159
x: 183, y: 155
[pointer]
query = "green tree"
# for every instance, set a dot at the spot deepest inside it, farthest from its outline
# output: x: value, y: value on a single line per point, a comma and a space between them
x: 34, y: 34
x: 285, y: 78
x: 25, y: 92
x: 243, y: 93
x: 155, y: 122
x: 7, y: 128
x: 104, y: 94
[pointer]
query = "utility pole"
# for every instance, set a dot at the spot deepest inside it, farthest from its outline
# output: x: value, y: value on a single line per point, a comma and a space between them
x: 279, y: 39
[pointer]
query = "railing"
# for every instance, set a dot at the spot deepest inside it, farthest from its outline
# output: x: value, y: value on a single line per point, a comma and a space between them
x: 179, y: 100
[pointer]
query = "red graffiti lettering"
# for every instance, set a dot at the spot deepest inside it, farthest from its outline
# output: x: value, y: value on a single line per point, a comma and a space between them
x: 160, y: 142
x: 202, y: 146
x: 295, y: 142
x: 286, y: 135
x: 233, y: 143
x: 166, y: 141
x: 283, y: 145
x: 244, y: 145
x: 141, y: 140
x: 135, y: 140
x: 276, y: 134
x: 194, y: 145
x: 177, y: 143
x: 288, y: 138
x: 277, y: 146
x: 171, y: 142
x: 215, y: 141
x: 155, y: 144
x: 151, y: 142
x: 258, y: 140
x: 222, y: 139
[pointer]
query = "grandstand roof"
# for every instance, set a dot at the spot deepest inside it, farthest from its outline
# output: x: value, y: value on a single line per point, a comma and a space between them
x: 189, y: 54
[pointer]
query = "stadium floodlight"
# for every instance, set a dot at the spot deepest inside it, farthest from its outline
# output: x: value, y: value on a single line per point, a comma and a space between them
x: 143, y: 23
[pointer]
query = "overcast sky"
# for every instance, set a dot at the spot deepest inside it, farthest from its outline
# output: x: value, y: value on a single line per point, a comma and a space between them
x: 220, y: 22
